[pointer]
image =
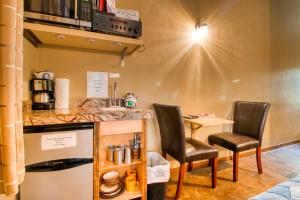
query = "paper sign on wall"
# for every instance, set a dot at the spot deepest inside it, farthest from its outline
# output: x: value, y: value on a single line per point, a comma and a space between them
x: 97, y: 84
x: 59, y: 141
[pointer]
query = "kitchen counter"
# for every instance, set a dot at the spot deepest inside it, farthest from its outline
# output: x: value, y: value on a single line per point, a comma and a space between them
x: 79, y: 115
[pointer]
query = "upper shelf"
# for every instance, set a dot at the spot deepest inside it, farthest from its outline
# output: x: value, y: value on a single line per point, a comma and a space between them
x: 46, y: 35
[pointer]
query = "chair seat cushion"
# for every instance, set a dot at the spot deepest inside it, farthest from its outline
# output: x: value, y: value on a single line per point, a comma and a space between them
x: 233, y: 141
x: 197, y: 150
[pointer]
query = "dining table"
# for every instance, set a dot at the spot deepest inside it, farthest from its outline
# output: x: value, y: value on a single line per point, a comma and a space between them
x: 205, y: 121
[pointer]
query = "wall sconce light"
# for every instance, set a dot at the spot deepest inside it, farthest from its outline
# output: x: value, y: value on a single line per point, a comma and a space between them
x: 202, y: 30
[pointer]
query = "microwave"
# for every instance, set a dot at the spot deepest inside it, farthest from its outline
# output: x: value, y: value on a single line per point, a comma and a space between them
x: 63, y: 12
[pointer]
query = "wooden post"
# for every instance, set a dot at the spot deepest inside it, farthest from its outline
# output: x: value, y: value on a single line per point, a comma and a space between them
x: 236, y: 156
x: 180, y: 180
x: 209, y: 160
x: 143, y: 172
x: 164, y: 155
x: 214, y: 170
x: 258, y: 160
x: 194, y: 128
x: 96, y: 160
x: 190, y: 166
x: 116, y: 133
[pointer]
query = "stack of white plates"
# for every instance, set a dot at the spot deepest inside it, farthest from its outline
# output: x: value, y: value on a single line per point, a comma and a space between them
x: 112, y: 185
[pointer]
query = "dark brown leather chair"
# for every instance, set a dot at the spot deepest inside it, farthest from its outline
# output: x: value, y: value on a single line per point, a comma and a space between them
x: 176, y: 145
x: 249, y: 122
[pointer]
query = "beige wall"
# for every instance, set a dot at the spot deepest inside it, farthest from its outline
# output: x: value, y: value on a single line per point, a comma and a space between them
x: 234, y: 63
x: 285, y: 62
x: 30, y: 64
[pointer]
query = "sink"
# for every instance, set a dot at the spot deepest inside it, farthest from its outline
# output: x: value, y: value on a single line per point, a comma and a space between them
x: 113, y: 108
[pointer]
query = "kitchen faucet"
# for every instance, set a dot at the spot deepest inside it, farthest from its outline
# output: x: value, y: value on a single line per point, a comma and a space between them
x: 115, y: 94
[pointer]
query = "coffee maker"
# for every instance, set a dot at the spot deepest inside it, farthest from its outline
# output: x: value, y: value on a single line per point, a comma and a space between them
x: 42, y: 94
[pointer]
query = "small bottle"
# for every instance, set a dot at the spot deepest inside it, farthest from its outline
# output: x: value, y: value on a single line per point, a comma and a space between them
x: 102, y: 5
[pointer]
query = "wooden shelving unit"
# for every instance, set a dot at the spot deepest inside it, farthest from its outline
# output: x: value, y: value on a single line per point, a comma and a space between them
x: 110, y: 166
x: 116, y: 133
x: 53, y: 36
x: 128, y: 195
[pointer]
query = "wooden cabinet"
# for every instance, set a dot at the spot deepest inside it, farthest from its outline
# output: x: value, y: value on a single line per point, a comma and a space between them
x: 116, y: 133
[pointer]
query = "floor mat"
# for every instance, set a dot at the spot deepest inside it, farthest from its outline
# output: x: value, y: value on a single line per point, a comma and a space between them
x: 288, y: 190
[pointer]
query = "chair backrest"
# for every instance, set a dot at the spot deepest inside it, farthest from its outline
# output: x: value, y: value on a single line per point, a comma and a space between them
x: 171, y: 130
x: 250, y: 118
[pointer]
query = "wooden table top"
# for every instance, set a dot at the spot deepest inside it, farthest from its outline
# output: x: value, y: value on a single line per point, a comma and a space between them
x: 208, y: 121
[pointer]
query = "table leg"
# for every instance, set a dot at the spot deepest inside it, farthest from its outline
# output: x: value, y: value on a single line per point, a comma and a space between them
x: 194, y: 128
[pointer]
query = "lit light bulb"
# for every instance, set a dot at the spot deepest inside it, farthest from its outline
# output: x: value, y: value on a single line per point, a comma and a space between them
x: 202, y: 30
x: 199, y: 33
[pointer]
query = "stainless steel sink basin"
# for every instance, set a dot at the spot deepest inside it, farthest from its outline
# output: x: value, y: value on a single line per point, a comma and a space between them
x: 113, y: 108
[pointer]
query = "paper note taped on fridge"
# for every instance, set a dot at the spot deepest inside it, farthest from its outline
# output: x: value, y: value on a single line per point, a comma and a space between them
x: 58, y: 141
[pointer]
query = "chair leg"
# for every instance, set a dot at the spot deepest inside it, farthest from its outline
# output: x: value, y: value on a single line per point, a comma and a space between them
x: 209, y: 161
x: 190, y: 166
x: 235, y: 166
x: 214, y: 169
x: 164, y: 155
x: 258, y: 160
x: 180, y: 180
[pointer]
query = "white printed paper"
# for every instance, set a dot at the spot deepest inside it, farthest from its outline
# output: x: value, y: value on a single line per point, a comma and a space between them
x: 111, y: 6
x: 114, y: 75
x: 97, y: 84
x: 128, y: 14
x: 59, y: 141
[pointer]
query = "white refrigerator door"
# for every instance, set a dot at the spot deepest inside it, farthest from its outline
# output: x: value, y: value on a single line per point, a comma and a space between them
x: 60, y: 183
x: 34, y: 152
x: 69, y: 184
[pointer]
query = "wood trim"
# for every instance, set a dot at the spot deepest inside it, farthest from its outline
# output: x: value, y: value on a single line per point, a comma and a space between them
x: 143, y: 170
x: 96, y: 168
x: 120, y: 127
x: 80, y: 49
x: 206, y: 122
x: 278, y: 146
x: 190, y: 168
x: 205, y: 163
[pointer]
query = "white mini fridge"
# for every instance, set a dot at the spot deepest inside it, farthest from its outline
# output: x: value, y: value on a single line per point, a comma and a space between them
x: 59, y: 162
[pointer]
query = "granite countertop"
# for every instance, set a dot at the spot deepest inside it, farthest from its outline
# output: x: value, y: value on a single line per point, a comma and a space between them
x: 79, y: 115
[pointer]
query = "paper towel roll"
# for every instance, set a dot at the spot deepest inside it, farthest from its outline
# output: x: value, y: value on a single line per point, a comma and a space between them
x: 62, y: 90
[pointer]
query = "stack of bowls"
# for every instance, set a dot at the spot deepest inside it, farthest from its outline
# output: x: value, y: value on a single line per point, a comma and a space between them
x: 112, y: 185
